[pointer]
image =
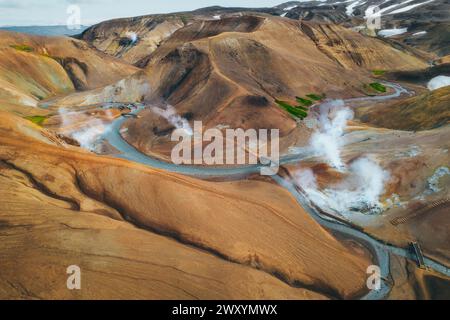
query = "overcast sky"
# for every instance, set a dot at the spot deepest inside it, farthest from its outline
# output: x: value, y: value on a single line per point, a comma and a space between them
x: 54, y: 12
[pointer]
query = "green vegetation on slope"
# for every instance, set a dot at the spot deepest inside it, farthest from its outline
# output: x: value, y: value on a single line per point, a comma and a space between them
x: 378, y: 72
x: 378, y: 87
x: 39, y: 120
x: 299, y: 112
x: 304, y: 102
x: 22, y: 47
x: 316, y: 97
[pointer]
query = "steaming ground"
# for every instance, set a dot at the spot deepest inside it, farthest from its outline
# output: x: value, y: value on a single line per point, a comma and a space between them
x: 88, y: 129
x: 359, y: 192
x: 92, y: 129
x: 170, y: 114
x: 365, y: 179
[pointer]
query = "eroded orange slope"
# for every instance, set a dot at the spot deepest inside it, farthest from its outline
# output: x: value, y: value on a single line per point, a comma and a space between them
x: 34, y: 68
x: 250, y: 223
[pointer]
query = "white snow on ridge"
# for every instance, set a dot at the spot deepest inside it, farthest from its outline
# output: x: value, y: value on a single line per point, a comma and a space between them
x: 289, y: 8
x: 410, y: 7
x: 394, y: 6
x: 438, y: 82
x: 351, y: 7
x: 420, y: 33
x: 352, y: 4
x: 392, y: 32
x: 386, y: 10
x: 335, y: 3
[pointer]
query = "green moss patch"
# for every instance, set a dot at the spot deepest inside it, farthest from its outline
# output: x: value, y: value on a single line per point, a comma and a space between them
x: 316, y: 97
x: 39, y: 120
x: 378, y: 72
x: 22, y: 47
x: 304, y: 102
x: 378, y: 87
x: 298, y: 112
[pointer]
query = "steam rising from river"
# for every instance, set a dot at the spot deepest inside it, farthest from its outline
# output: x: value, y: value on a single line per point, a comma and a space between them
x: 364, y: 179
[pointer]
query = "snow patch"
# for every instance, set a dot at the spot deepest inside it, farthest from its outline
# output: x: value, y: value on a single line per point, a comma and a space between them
x: 410, y: 7
x: 392, y: 32
x: 438, y: 82
x: 420, y: 33
x: 387, y: 9
x: 351, y: 7
x: 290, y: 8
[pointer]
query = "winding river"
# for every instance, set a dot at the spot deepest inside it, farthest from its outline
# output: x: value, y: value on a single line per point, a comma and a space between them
x: 380, y: 250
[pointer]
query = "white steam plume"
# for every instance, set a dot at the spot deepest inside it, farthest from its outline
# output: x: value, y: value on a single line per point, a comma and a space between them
x: 170, y: 114
x: 361, y: 189
x: 327, y: 140
x: 132, y: 36
x: 306, y: 179
x: 92, y: 130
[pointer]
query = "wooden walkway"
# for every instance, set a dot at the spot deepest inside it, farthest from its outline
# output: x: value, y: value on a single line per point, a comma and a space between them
x: 419, y: 254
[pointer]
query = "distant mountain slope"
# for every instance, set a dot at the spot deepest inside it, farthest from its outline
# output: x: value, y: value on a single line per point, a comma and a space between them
x: 34, y: 68
x: 46, y: 30
x: 132, y: 39
x: 426, y: 22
